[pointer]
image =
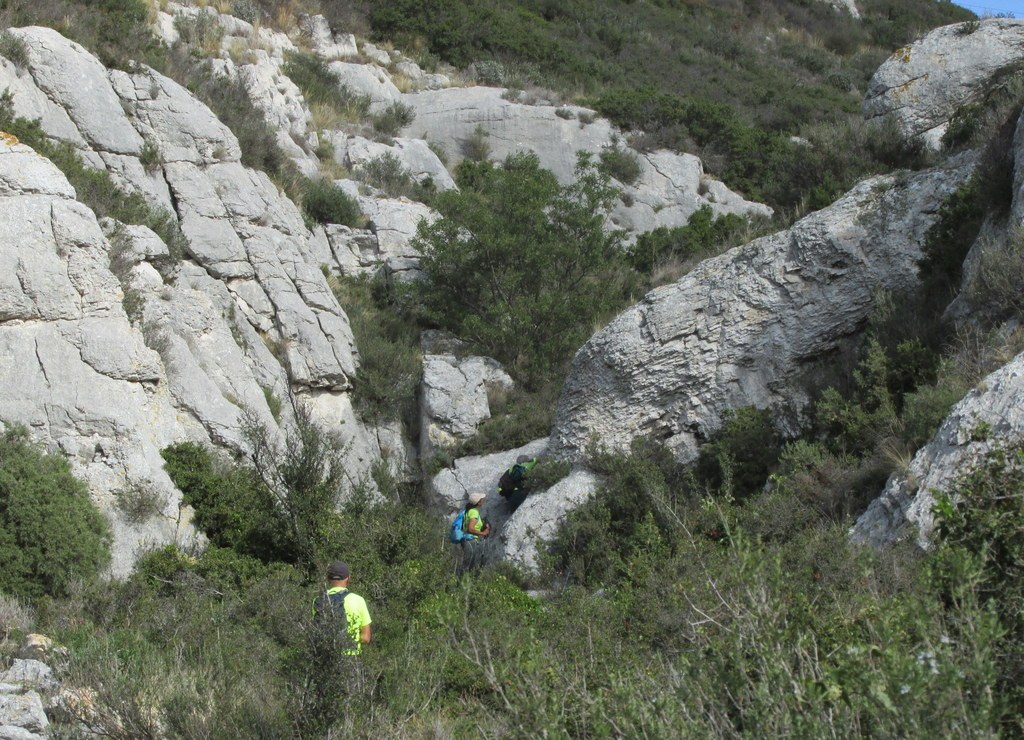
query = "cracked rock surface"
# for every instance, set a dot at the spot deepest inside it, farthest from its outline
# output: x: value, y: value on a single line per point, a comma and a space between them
x: 921, y: 86
x: 747, y: 328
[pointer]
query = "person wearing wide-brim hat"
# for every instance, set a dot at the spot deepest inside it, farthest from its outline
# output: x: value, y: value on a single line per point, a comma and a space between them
x: 476, y: 530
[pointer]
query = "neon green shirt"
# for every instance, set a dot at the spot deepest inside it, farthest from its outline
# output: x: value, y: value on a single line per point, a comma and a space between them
x: 357, y: 616
x: 473, y: 513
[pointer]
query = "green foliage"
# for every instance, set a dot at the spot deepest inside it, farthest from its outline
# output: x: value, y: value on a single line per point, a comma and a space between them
x: 390, y: 365
x: 139, y: 502
x: 51, y: 534
x: 741, y: 454
x: 703, y: 236
x: 521, y: 266
x: 231, y: 506
x: 620, y: 163
x: 476, y: 147
x: 320, y: 86
x: 387, y: 173
x: 14, y: 50
x: 393, y: 119
x: 949, y: 239
x: 325, y: 203
x: 996, y: 287
x: 93, y: 187
x: 980, y: 525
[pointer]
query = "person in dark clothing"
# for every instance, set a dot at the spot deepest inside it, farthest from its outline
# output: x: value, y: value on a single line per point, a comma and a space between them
x: 512, y: 485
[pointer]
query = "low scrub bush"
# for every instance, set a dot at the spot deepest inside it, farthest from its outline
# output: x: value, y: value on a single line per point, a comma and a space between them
x: 51, y: 534
x: 324, y: 202
x: 517, y: 417
x: 996, y: 287
x: 390, y: 365
x: 388, y: 174
x: 620, y: 163
x: 393, y: 119
x: 320, y: 86
x: 703, y: 236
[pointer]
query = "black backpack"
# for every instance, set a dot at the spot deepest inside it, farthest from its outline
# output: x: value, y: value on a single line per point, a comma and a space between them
x: 511, y: 479
x: 331, y: 621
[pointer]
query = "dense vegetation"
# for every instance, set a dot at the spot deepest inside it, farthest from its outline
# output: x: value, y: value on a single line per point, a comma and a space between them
x: 718, y: 599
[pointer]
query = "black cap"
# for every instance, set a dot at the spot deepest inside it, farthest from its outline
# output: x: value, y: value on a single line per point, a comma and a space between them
x: 337, y: 571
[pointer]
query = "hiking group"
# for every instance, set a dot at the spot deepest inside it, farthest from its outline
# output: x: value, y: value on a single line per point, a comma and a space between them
x: 341, y: 619
x: 469, y: 528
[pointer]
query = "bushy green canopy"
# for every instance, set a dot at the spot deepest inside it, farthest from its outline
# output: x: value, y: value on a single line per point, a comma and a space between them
x: 51, y: 534
x: 521, y: 265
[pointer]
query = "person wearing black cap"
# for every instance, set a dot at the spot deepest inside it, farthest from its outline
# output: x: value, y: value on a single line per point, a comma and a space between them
x: 348, y: 610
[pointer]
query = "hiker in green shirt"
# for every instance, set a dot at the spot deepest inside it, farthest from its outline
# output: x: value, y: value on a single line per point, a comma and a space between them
x: 338, y: 602
x: 476, y: 530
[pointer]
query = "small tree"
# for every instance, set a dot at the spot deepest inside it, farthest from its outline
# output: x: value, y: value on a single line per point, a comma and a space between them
x: 521, y: 265
x: 50, y: 532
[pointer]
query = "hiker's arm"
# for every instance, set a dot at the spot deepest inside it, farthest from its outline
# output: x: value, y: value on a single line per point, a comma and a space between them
x: 473, y: 527
x: 364, y: 634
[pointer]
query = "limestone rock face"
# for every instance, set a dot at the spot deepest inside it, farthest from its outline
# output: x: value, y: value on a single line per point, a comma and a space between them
x: 171, y: 348
x: 73, y: 369
x: 990, y: 415
x: 921, y: 86
x: 453, y: 398
x: 325, y: 42
x: 743, y: 328
x: 450, y: 116
x: 670, y: 188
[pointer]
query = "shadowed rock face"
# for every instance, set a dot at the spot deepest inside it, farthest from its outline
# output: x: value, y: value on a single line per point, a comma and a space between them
x: 905, y: 507
x: 921, y: 86
x: 742, y: 328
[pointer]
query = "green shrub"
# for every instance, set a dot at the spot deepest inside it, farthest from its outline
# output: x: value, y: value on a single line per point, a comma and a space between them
x: 703, y: 236
x: 620, y: 163
x: 393, y: 119
x: 139, y: 502
x: 13, y: 49
x: 552, y: 270
x: 387, y: 173
x: 325, y: 203
x: 51, y: 534
x: 390, y: 365
x: 320, y: 86
x: 517, y: 417
x: 949, y: 239
x: 741, y: 453
x: 476, y: 147
x: 996, y: 287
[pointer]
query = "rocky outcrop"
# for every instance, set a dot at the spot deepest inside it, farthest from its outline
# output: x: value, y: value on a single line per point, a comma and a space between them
x: 454, y: 398
x: 921, y: 86
x: 748, y: 328
x: 990, y: 416
x: 670, y: 187
x: 170, y: 348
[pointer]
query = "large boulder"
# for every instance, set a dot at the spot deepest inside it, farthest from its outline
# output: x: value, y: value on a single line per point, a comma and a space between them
x: 22, y: 716
x: 990, y: 416
x: 454, y: 398
x: 369, y: 80
x: 414, y: 155
x: 750, y: 327
x: 921, y: 86
x: 479, y: 473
